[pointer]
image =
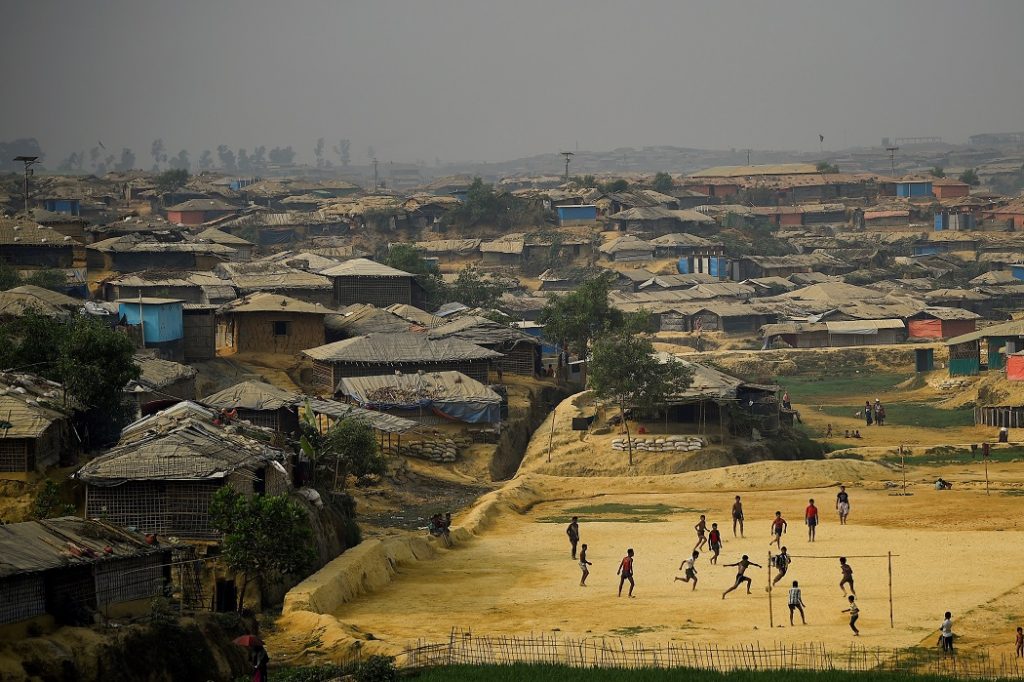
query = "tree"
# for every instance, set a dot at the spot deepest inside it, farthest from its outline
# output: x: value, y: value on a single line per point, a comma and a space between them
x: 227, y: 158
x: 48, y: 278
x: 127, y: 161
x: 258, y: 158
x: 264, y: 535
x: 970, y: 176
x: 171, y: 180
x: 158, y: 152
x: 244, y: 163
x: 625, y: 370
x: 619, y: 185
x: 482, y: 205
x: 9, y: 277
x: 662, y: 182
x: 405, y: 257
x: 584, y: 180
x: 282, y: 156
x: 92, y: 361
x: 318, y: 152
x: 471, y: 288
x: 349, y: 446
x: 826, y: 167
x: 94, y: 157
x: 205, y: 161
x: 343, y: 149
x: 938, y: 172
x: 26, y: 146
x: 574, y: 319
x: 181, y: 161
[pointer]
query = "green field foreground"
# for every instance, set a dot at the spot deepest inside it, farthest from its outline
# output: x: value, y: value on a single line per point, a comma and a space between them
x: 554, y: 673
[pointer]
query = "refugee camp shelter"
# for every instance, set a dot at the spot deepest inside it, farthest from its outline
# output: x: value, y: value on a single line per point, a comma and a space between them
x: 20, y: 300
x: 243, y: 247
x: 835, y: 333
x: 162, y: 479
x: 277, y: 278
x: 26, y: 245
x: 65, y: 570
x: 269, y: 323
x: 258, y: 403
x: 941, y: 323
x: 425, y: 397
x: 376, y: 354
x: 361, y: 280
x: 716, y: 402
x: 627, y: 248
x: 521, y: 351
x: 198, y: 211
x: 1004, y: 339
x: 35, y: 432
x: 160, y: 383
x: 160, y: 322
x: 363, y: 318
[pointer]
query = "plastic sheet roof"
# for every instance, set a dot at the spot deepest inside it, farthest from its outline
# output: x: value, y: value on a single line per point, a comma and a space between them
x: 399, y: 348
x: 378, y: 420
x: 252, y: 395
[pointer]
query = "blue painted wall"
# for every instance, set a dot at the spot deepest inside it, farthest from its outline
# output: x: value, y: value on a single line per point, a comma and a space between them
x: 585, y: 213
x: 1018, y: 271
x: 71, y: 206
x: 163, y: 321
x: 913, y: 189
x: 683, y: 266
x: 719, y: 267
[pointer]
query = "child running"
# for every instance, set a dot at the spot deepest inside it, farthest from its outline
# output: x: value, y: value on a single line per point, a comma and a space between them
x: 843, y: 504
x: 782, y: 562
x: 715, y: 542
x: 778, y: 528
x: 854, y: 615
x: 737, y: 516
x: 847, y: 577
x: 811, y: 519
x: 741, y: 567
x: 701, y: 528
x: 625, y: 572
x: 796, y: 603
x: 583, y: 565
x: 691, y: 570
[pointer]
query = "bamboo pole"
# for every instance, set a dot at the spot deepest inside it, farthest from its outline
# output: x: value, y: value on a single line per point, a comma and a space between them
x: 891, y: 622
x: 771, y: 612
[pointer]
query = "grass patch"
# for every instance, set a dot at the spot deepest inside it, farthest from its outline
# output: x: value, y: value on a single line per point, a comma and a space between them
x: 810, y: 389
x: 616, y: 512
x: 912, y: 414
x: 633, y: 630
x: 946, y: 454
x: 554, y: 673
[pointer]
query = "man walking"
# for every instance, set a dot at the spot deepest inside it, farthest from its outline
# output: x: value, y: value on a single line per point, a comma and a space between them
x: 573, y: 531
x: 847, y: 577
x: 625, y: 572
x: 737, y: 516
x: 842, y: 504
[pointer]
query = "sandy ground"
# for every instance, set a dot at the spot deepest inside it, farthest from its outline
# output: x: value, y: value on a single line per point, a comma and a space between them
x: 955, y: 550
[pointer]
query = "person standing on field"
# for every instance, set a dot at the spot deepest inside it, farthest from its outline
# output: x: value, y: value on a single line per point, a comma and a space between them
x: 854, y: 615
x: 584, y: 565
x: 737, y: 516
x: 1018, y: 650
x: 796, y: 603
x: 946, y: 633
x: 715, y: 542
x: 811, y: 519
x: 573, y: 531
x: 625, y: 572
x: 843, y: 504
x: 868, y: 413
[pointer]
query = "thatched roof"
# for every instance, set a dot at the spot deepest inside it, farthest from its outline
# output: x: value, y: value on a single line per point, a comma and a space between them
x: 265, y: 302
x: 363, y: 318
x: 481, y: 331
x: 252, y: 395
x: 28, y: 405
x: 271, y: 276
x: 364, y: 267
x: 390, y: 349
x: 157, y: 373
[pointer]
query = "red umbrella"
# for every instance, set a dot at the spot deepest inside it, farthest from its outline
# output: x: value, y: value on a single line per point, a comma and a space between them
x: 248, y: 640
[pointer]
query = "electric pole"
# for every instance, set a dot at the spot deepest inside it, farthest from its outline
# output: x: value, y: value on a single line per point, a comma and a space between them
x: 892, y: 158
x: 29, y: 161
x: 375, y: 184
x: 568, y: 157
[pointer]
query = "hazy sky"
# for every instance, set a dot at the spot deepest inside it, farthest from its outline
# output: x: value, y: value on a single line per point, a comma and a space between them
x: 482, y: 80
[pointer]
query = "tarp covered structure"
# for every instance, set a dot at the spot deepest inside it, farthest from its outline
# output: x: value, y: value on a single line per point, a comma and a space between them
x: 1015, y: 367
x: 451, y: 395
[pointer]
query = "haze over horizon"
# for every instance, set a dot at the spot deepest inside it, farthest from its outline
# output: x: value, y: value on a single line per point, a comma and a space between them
x: 464, y: 81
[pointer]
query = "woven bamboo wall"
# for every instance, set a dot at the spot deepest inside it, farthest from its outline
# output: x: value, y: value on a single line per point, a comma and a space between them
x: 254, y: 332
x: 378, y: 291
x: 519, y: 361
x: 200, y: 329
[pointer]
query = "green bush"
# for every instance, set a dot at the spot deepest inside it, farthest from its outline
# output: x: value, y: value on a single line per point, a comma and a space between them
x: 377, y: 669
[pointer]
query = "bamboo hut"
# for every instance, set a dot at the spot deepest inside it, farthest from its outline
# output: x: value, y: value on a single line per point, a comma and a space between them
x: 269, y: 323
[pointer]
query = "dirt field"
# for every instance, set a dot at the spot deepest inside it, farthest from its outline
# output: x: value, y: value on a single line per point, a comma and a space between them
x: 955, y: 550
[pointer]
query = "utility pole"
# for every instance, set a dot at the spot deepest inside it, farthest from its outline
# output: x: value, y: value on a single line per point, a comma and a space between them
x: 375, y: 185
x: 892, y: 158
x: 29, y: 161
x: 748, y: 156
x: 568, y: 157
